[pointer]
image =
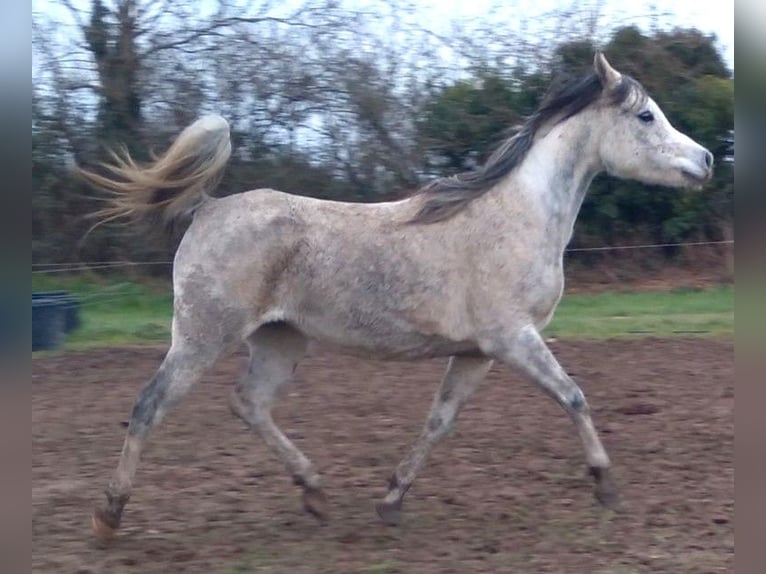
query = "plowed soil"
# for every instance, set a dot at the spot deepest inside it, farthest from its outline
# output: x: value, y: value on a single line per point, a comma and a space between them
x: 507, y: 491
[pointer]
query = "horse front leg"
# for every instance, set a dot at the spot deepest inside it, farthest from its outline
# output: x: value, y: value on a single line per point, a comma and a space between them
x: 527, y: 352
x: 460, y: 381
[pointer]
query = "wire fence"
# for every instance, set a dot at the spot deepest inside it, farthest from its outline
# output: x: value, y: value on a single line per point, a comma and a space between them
x: 91, y: 266
x: 127, y: 293
x: 647, y: 246
x: 77, y: 266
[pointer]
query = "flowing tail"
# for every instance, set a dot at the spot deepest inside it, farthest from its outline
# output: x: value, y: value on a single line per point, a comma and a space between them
x: 175, y: 184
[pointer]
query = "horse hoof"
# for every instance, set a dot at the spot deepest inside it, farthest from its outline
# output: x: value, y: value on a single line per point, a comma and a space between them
x: 390, y: 512
x: 315, y: 503
x: 607, y: 496
x: 605, y: 490
x: 103, y: 527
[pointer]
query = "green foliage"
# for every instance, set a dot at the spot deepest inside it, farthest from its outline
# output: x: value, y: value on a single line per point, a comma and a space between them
x: 463, y: 123
x: 466, y: 117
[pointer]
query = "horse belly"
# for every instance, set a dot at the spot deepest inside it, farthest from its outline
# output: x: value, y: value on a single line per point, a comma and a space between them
x: 380, y: 336
x: 422, y: 348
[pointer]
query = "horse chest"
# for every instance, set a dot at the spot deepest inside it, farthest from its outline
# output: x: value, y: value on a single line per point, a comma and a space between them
x: 543, y: 295
x: 535, y: 293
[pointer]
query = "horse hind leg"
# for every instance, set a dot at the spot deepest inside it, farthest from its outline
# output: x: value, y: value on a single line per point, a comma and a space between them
x: 182, y: 366
x: 463, y: 376
x: 275, y: 350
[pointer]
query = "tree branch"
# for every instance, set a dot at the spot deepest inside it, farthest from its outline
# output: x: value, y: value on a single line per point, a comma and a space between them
x: 192, y: 35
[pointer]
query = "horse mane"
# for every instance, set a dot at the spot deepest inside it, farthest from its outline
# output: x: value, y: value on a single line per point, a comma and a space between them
x: 446, y: 196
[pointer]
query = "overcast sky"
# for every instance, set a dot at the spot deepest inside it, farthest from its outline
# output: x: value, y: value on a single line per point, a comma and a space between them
x: 709, y: 16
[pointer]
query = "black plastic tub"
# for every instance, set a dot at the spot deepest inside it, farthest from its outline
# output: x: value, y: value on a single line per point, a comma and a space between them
x: 48, y: 323
x: 70, y: 305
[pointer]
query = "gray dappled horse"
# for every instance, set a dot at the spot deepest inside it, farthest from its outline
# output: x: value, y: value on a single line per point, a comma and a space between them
x: 469, y: 267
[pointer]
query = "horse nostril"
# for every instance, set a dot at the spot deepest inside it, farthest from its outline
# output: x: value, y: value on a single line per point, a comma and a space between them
x: 708, y: 159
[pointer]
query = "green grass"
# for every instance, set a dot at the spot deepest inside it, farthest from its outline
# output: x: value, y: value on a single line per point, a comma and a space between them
x: 114, y: 312
x: 120, y: 312
x: 707, y: 312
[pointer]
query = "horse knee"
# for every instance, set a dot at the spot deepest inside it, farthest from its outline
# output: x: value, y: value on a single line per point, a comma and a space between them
x: 245, y: 407
x: 439, y: 426
x: 576, y: 401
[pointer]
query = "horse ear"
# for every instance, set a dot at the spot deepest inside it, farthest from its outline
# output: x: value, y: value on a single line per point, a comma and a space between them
x: 610, y: 78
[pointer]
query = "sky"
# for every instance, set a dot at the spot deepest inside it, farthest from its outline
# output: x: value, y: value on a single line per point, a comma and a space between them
x: 708, y: 16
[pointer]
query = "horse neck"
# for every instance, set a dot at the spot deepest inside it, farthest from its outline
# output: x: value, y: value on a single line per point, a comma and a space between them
x: 556, y: 173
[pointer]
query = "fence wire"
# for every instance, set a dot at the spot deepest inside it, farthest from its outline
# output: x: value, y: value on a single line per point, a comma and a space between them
x: 647, y: 246
x: 77, y: 266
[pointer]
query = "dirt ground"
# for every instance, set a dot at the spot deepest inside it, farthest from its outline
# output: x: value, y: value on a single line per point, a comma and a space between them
x: 506, y: 492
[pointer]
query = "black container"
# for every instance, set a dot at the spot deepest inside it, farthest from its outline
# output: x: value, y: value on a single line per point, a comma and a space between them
x: 48, y: 323
x: 70, y: 304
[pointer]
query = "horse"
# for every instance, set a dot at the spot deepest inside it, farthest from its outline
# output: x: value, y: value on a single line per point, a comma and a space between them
x: 468, y: 267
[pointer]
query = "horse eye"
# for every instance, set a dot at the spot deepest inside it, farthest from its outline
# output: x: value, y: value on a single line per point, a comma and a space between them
x: 646, y: 117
